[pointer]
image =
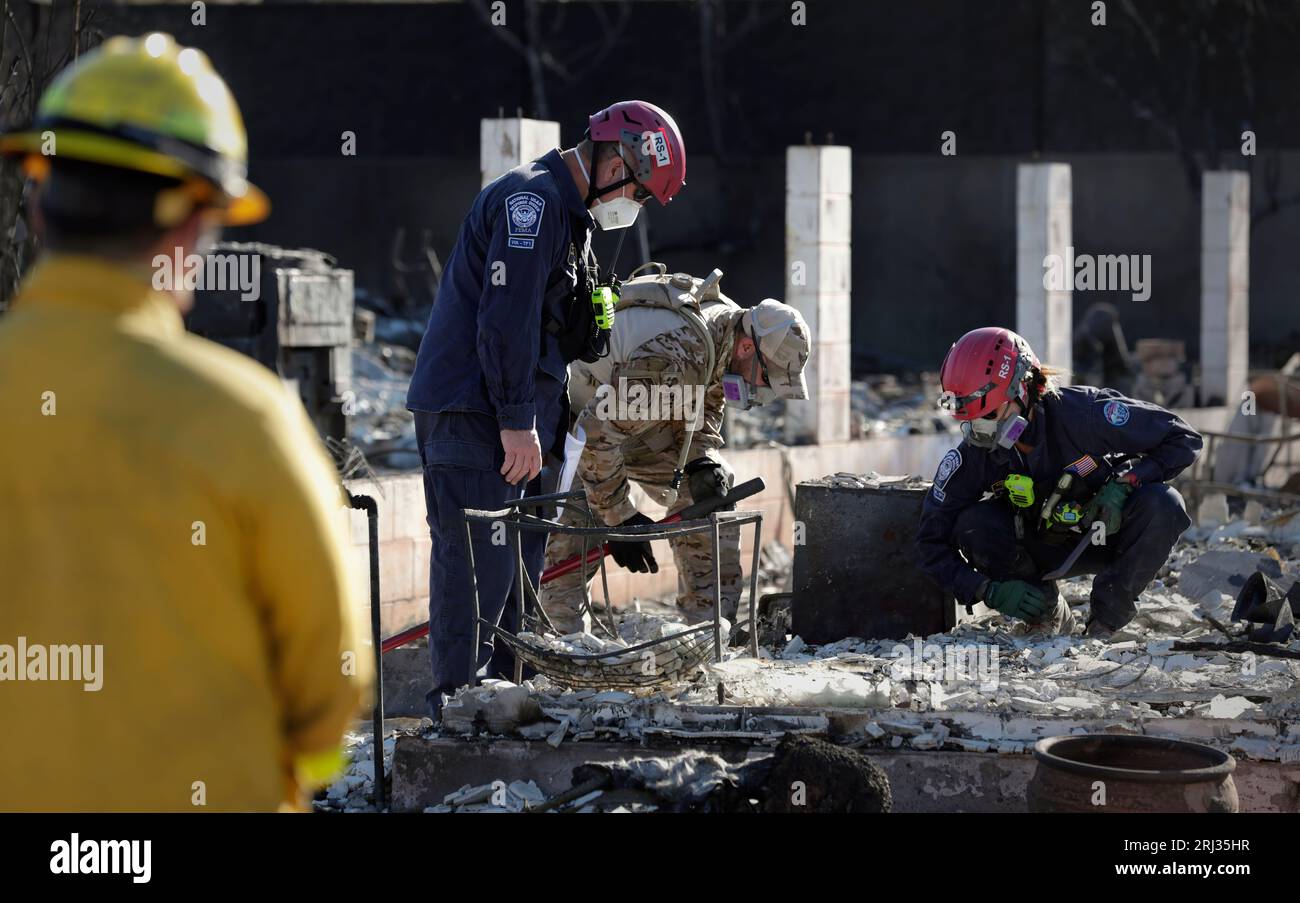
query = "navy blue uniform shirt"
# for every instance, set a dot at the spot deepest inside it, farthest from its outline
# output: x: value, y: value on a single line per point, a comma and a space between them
x: 1074, y: 431
x: 485, y: 349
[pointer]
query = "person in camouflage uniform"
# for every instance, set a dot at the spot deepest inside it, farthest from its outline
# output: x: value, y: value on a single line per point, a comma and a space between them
x: 638, y: 406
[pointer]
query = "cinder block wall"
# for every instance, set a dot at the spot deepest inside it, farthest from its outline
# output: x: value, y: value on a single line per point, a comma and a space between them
x: 404, y: 535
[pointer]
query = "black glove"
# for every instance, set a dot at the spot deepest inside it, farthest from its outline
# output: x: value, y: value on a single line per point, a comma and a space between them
x: 709, y: 479
x: 634, y: 554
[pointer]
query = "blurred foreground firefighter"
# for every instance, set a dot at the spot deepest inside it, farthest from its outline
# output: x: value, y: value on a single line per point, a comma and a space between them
x: 651, y: 413
x: 175, y: 630
x: 514, y: 307
x: 1069, y: 468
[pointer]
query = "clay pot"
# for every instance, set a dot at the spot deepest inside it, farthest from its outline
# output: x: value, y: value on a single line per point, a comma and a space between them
x: 1128, y: 773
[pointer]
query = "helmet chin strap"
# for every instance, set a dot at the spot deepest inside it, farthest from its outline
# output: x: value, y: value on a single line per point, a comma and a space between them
x: 753, y: 363
x: 592, y: 192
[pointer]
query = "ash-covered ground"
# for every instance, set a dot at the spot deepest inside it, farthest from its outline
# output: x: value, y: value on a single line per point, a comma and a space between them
x: 989, y: 685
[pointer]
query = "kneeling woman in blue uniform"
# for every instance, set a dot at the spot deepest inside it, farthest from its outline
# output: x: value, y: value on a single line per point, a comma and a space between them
x: 1045, y: 471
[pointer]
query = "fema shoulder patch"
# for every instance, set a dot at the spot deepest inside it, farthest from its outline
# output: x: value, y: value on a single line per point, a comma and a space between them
x: 1116, y: 413
x: 524, y: 213
x: 947, y: 467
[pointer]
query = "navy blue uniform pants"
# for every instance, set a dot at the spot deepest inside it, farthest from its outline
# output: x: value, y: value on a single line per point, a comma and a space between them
x: 1154, y: 518
x: 462, y: 458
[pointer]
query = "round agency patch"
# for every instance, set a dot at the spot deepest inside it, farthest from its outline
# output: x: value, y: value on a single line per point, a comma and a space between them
x: 1116, y: 413
x: 947, y: 467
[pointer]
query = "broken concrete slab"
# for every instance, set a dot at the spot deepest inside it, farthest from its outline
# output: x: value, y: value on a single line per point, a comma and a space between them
x: 1224, y: 571
x: 1213, y: 511
x: 1226, y: 707
x: 934, y: 738
x: 748, y: 681
x: 497, y: 705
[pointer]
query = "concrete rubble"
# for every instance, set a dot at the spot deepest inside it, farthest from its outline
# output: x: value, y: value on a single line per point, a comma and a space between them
x: 870, y: 480
x: 516, y: 796
x: 886, y: 405
x: 354, y: 789
x: 881, y: 405
x: 383, y: 358
x: 988, y: 685
x: 379, y: 424
x: 497, y: 704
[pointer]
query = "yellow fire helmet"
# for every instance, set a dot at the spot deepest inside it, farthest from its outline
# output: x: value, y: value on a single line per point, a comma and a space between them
x: 149, y: 105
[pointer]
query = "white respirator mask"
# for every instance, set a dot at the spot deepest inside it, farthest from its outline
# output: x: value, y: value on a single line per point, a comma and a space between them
x: 618, y: 213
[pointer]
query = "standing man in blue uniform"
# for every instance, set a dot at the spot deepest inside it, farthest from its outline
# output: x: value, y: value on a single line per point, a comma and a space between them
x: 1022, y: 433
x: 489, y: 387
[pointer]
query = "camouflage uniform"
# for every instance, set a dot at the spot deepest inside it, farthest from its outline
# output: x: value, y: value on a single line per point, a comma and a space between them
x: 646, y: 450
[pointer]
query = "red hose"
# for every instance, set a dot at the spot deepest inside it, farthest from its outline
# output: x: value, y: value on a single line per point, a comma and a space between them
x: 551, y: 573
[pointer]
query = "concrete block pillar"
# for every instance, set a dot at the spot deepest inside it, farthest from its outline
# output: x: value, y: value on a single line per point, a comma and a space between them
x: 507, y: 142
x: 818, y: 183
x: 1225, y: 285
x: 1044, y: 236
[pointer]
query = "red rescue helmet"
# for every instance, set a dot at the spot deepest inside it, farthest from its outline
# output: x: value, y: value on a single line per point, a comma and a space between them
x: 652, y: 146
x: 983, y: 370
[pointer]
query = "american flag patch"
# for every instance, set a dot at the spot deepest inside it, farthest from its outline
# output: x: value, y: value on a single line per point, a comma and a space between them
x: 1083, y: 466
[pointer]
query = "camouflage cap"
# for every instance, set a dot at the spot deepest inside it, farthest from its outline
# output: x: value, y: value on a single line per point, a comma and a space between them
x: 783, y: 342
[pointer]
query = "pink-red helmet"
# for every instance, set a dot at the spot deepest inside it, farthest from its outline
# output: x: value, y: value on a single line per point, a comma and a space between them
x: 652, y: 145
x: 983, y: 370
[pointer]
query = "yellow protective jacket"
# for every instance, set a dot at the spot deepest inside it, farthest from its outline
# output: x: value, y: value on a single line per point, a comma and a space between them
x: 165, y: 501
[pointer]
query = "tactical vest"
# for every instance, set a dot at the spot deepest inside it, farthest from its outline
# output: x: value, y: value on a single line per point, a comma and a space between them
x: 683, y: 298
x: 580, y: 335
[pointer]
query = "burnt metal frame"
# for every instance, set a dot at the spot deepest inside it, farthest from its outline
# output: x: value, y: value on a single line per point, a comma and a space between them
x: 517, y: 521
x: 1199, y: 486
x: 612, y: 627
x: 689, y: 647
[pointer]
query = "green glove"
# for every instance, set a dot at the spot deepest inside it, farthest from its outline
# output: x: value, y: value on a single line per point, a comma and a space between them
x: 1107, y: 506
x: 1018, y: 599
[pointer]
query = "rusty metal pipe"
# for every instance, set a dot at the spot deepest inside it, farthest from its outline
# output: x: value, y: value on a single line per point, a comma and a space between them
x: 371, y: 507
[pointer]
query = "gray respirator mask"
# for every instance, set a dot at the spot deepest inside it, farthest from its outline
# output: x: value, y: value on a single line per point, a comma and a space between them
x: 744, y: 392
x: 985, y: 433
x: 739, y: 392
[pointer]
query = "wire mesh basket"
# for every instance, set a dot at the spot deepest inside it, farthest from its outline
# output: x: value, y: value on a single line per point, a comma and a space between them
x: 656, y: 663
